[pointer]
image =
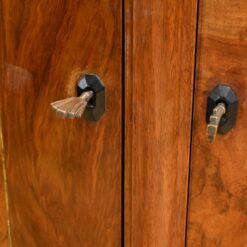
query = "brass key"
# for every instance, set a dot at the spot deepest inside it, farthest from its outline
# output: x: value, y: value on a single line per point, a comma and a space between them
x: 214, y: 122
x: 72, y: 107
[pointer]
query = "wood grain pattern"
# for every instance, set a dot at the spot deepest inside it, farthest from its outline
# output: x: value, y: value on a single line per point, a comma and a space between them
x: 160, y: 46
x: 64, y: 176
x: 218, y: 186
x: 4, y: 241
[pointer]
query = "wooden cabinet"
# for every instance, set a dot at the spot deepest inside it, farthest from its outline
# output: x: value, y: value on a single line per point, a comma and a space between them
x: 63, y: 176
x: 145, y: 174
x: 160, y: 41
x: 217, y: 210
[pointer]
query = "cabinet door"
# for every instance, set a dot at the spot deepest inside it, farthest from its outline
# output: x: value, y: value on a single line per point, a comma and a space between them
x: 63, y: 176
x: 218, y: 184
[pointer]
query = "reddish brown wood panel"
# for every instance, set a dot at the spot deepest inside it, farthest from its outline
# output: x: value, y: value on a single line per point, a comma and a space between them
x: 218, y: 186
x: 4, y: 241
x: 64, y: 176
x: 160, y: 46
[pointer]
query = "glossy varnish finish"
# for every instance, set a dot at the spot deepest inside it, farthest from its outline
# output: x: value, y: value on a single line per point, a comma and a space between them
x: 64, y: 176
x: 218, y: 186
x: 160, y: 45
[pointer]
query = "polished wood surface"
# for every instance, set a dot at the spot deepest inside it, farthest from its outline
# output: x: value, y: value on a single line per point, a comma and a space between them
x: 160, y: 45
x: 64, y: 176
x: 218, y: 184
x: 4, y: 240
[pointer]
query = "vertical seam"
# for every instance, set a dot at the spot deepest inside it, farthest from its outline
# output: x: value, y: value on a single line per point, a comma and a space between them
x: 123, y: 123
x: 192, y: 116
